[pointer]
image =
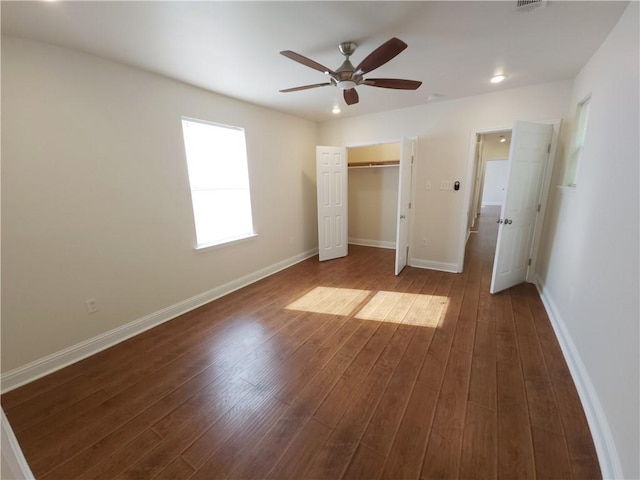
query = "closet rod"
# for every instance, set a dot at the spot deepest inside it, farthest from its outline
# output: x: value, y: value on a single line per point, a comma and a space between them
x: 393, y: 163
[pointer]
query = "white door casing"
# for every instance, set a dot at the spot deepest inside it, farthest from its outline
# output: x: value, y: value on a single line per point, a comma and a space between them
x: 404, y: 199
x: 528, y: 158
x: 331, y: 180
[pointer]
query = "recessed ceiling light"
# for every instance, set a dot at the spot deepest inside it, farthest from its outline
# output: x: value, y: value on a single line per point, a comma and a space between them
x: 335, y: 110
x: 502, y: 139
x: 498, y: 78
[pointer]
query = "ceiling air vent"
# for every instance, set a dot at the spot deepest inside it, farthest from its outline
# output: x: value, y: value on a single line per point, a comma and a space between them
x: 529, y: 4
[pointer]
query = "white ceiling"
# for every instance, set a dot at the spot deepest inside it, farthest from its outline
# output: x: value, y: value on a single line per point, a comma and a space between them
x: 232, y: 47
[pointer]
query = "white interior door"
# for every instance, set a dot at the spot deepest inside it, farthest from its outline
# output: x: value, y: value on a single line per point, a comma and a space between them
x: 528, y: 156
x: 331, y: 180
x: 404, y: 199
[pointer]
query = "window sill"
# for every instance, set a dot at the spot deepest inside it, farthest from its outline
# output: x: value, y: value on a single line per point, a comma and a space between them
x: 206, y: 247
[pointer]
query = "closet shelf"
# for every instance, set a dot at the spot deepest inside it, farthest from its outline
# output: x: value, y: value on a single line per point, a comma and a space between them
x: 389, y: 163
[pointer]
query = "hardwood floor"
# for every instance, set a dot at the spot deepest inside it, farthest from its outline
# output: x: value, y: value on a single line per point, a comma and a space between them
x: 323, y: 371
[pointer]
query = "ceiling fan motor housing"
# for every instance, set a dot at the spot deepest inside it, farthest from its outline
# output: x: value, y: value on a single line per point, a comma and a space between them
x: 344, y: 77
x: 347, y: 48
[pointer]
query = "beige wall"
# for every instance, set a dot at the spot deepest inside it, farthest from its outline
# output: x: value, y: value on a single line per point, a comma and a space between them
x: 383, y: 152
x: 589, y: 263
x: 96, y: 202
x: 373, y: 206
x: 444, y: 130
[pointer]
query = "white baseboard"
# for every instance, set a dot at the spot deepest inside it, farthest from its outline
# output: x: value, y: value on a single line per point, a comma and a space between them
x: 440, y: 266
x: 14, y: 465
x: 602, y: 437
x: 49, y: 364
x: 372, y: 243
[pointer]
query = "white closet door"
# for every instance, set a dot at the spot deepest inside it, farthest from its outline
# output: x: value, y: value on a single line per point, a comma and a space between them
x: 331, y: 180
x: 404, y: 199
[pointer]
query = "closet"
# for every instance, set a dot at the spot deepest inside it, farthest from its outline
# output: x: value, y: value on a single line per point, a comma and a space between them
x: 373, y: 194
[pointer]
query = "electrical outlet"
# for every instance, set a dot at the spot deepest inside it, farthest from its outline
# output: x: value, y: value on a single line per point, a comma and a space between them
x: 428, y: 186
x: 92, y: 305
x: 424, y: 242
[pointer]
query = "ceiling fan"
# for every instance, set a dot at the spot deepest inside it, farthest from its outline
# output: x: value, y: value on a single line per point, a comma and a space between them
x: 346, y: 77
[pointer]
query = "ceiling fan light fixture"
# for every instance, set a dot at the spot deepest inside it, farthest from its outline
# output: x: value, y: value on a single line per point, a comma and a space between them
x: 346, y: 84
x: 500, y: 77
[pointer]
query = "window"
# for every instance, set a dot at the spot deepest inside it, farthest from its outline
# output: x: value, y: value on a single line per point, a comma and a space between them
x: 579, y: 134
x: 219, y: 179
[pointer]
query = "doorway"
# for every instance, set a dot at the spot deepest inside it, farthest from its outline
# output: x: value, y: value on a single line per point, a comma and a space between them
x: 373, y: 194
x: 490, y: 174
x: 530, y: 162
x: 332, y: 174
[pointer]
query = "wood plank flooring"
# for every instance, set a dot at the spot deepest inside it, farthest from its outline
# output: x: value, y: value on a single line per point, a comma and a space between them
x: 324, y: 371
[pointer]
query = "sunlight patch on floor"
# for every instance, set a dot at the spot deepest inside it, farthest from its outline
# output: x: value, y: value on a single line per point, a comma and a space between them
x: 330, y: 300
x: 394, y: 307
x: 405, y: 308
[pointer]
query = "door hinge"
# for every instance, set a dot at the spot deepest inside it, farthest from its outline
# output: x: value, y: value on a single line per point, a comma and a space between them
x: 409, y: 204
x: 539, y: 205
x: 411, y: 159
x: 529, y: 262
x: 549, y: 148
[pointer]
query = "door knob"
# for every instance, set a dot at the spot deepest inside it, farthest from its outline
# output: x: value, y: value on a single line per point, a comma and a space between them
x: 507, y: 221
x: 499, y: 221
x: 402, y: 216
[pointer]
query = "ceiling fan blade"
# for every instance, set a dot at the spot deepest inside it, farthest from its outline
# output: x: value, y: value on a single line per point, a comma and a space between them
x: 351, y: 96
x: 296, y: 57
x: 381, y: 55
x: 305, y: 87
x: 397, y: 83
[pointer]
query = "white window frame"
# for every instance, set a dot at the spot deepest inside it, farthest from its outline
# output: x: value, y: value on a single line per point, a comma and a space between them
x: 205, y: 243
x: 577, y: 142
